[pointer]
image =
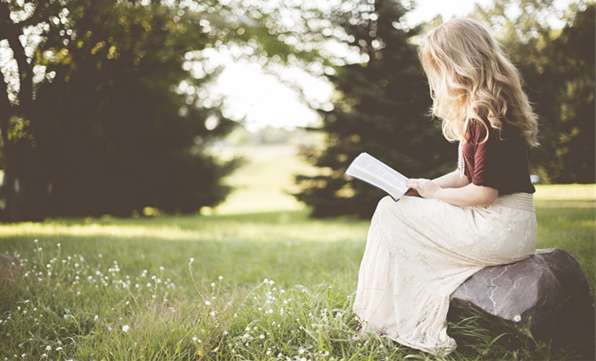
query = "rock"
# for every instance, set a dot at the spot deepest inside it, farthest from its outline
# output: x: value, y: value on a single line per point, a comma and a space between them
x: 548, y: 293
x: 9, y: 267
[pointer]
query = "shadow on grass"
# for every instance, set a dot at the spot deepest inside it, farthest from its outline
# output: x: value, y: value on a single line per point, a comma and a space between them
x: 491, y: 338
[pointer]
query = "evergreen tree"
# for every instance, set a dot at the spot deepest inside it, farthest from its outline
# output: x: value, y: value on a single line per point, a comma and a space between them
x: 572, y: 59
x: 107, y: 111
x: 127, y: 139
x: 380, y: 107
x: 557, y: 66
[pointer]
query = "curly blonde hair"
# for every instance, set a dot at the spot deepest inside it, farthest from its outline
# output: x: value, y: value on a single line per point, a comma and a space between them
x: 470, y: 78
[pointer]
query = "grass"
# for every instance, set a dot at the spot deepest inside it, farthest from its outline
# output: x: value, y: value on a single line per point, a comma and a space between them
x: 233, y: 285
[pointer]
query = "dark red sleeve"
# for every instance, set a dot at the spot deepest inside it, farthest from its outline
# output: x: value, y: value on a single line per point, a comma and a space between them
x: 487, y: 159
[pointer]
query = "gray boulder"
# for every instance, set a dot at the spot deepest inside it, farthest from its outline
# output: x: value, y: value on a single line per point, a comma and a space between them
x: 547, y: 293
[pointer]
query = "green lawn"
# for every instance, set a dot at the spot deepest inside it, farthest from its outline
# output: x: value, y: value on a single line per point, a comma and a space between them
x: 234, y: 285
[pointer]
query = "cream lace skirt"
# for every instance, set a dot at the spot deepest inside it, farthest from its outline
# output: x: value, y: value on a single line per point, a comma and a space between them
x: 419, y: 250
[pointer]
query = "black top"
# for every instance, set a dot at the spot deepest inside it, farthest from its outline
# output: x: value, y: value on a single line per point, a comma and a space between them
x: 501, y: 164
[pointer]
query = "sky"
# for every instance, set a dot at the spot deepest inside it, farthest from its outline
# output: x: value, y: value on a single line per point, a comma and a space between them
x: 264, y: 101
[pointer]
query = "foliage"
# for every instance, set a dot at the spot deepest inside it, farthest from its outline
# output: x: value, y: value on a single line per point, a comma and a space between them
x: 380, y: 104
x: 558, y: 70
x: 118, y: 118
x: 380, y: 107
x: 572, y: 57
x: 127, y: 140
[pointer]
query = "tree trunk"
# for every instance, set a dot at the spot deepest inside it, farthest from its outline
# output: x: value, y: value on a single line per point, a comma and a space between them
x: 18, y: 192
x: 8, y: 189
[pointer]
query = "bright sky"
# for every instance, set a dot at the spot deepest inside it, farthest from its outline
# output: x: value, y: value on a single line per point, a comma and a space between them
x: 265, y: 101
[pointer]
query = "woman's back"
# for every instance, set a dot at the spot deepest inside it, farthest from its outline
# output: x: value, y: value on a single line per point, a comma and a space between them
x: 499, y: 163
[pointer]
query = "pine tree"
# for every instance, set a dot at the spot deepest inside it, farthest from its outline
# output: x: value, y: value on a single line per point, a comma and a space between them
x: 557, y: 67
x: 381, y: 107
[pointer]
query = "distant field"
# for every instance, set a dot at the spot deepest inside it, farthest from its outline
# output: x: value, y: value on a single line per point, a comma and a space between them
x: 576, y: 192
x: 262, y: 184
x: 256, y: 280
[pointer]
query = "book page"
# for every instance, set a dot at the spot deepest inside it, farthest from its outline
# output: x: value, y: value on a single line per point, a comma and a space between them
x: 371, y: 170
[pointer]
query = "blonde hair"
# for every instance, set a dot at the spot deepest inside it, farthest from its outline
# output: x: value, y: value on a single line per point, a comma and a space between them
x: 471, y: 78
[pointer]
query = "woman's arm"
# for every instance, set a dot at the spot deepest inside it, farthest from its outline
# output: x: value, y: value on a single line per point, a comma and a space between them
x: 451, y: 180
x: 470, y: 195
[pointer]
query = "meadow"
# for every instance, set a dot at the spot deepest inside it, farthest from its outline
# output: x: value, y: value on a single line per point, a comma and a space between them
x: 254, y: 279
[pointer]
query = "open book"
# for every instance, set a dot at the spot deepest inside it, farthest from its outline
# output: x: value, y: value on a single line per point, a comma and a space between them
x: 371, y: 170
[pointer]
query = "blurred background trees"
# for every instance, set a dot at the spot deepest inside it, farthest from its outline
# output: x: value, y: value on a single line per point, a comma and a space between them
x: 126, y: 139
x: 103, y: 112
x: 105, y: 105
x: 558, y: 68
x: 379, y: 107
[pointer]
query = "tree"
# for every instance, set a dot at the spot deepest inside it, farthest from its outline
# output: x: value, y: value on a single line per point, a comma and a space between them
x: 15, y: 115
x: 557, y: 66
x: 117, y: 121
x: 572, y: 59
x: 380, y: 107
x: 127, y: 140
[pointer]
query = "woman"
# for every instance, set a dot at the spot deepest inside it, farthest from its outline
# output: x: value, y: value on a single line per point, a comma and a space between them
x: 419, y: 249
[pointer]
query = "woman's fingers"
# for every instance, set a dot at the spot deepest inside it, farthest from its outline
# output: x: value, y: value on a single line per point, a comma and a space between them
x: 412, y: 183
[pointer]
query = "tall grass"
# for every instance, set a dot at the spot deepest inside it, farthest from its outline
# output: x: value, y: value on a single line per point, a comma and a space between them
x: 65, y: 306
x: 235, y: 285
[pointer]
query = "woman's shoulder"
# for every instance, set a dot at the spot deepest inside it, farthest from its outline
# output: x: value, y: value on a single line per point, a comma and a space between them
x: 477, y: 131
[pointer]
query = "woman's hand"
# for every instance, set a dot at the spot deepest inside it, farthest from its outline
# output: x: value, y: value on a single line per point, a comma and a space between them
x: 425, y: 187
x: 412, y: 192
